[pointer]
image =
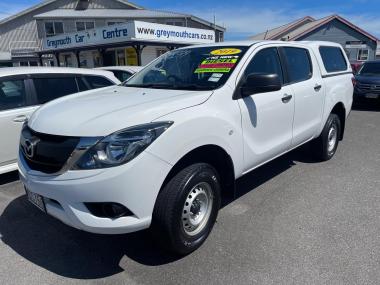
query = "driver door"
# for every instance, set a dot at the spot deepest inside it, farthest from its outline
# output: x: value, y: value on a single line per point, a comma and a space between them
x: 267, y: 118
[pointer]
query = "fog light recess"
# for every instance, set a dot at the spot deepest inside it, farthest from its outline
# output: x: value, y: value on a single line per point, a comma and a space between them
x: 108, y: 210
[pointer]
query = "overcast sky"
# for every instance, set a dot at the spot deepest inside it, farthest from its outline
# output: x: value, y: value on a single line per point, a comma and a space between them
x: 243, y: 18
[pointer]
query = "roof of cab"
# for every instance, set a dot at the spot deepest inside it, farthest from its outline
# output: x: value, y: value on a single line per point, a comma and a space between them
x: 249, y: 43
x: 8, y: 71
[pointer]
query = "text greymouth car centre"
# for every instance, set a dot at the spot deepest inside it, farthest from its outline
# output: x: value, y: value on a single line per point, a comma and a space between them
x: 130, y: 31
x: 87, y: 37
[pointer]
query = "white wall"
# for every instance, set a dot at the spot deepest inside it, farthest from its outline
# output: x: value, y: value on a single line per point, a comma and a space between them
x: 150, y: 53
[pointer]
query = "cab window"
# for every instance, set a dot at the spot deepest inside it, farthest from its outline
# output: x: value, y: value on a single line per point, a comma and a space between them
x: 298, y: 64
x: 266, y: 61
x: 12, y: 94
x: 333, y: 59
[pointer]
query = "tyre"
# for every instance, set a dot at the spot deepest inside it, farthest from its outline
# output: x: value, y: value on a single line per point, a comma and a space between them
x: 325, y: 146
x: 186, y: 208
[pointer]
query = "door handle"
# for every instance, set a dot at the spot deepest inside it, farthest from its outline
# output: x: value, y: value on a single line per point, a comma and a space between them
x: 287, y: 98
x: 20, y: 119
x: 317, y: 87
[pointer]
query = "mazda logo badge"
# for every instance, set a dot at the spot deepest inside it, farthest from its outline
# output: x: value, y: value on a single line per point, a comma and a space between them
x: 30, y: 146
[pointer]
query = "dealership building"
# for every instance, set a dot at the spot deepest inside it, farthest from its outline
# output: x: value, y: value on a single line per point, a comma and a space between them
x: 92, y: 33
x: 358, y: 44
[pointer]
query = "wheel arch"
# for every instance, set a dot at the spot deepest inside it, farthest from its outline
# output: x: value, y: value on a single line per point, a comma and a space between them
x: 214, y: 155
x: 340, y: 110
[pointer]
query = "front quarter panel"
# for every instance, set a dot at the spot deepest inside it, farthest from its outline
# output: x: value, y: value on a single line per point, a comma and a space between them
x: 215, y: 122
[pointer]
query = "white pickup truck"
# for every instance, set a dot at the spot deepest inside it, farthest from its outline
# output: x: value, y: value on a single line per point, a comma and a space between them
x: 160, y: 150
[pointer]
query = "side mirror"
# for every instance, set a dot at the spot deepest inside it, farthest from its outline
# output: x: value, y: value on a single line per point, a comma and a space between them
x: 260, y: 83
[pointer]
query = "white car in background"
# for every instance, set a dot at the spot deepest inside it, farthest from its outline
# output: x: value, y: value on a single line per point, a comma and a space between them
x: 24, y: 89
x: 122, y: 72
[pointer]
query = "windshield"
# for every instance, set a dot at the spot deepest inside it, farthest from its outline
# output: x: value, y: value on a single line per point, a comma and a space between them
x: 372, y: 68
x: 203, y: 68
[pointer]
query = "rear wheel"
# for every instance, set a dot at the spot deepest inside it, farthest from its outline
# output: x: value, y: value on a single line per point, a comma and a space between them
x: 186, y: 208
x: 325, y: 146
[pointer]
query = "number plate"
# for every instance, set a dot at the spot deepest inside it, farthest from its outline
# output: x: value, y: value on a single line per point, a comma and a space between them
x: 372, y: 96
x: 36, y: 200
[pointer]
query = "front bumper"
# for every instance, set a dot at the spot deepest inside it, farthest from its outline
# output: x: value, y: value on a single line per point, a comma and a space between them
x: 134, y: 185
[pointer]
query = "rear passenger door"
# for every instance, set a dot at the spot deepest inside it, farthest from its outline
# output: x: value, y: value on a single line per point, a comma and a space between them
x: 304, y: 78
x: 267, y: 118
x: 15, y: 107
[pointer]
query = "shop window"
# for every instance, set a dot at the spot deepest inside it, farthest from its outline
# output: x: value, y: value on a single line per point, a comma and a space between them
x: 363, y: 54
x: 67, y: 60
x: 28, y: 63
x: 179, y: 24
x: 53, y: 28
x: 120, y: 56
x: 161, y: 51
x: 131, y: 56
x: 85, y: 25
x: 221, y: 37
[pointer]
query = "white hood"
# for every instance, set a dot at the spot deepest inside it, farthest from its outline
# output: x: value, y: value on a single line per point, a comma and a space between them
x: 107, y: 110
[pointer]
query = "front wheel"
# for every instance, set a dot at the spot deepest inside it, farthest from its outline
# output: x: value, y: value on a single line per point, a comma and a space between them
x: 186, y: 208
x: 325, y: 146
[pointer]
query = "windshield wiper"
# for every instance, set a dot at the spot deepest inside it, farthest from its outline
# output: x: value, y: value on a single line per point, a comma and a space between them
x: 194, y: 87
x: 172, y: 86
x: 152, y: 85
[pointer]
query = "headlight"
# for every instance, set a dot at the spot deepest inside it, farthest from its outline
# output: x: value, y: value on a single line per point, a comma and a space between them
x: 122, y: 146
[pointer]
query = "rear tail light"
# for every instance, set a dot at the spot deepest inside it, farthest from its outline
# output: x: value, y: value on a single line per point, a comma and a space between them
x: 353, y: 81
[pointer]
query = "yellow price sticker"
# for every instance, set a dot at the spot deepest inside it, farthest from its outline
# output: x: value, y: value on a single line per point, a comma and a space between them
x: 226, y: 51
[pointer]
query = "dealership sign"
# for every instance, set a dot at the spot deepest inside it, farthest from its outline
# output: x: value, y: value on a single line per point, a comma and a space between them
x: 131, y: 31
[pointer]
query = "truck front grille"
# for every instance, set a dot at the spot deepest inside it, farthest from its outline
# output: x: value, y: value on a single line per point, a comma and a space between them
x: 369, y: 87
x: 46, y: 153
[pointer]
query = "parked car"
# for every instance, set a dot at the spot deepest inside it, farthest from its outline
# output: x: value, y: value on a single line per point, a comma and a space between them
x: 122, y: 72
x: 355, y: 65
x: 23, y: 90
x: 368, y: 81
x: 162, y: 149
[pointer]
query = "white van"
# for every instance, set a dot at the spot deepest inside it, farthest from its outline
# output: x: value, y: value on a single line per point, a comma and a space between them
x: 161, y: 150
x: 24, y: 89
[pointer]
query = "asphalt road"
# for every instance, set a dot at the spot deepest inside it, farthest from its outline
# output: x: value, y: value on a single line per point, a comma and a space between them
x: 294, y: 222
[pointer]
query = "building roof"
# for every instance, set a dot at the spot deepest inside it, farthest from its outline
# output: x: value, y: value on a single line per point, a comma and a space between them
x: 307, y: 27
x: 137, y: 12
x: 47, y: 2
x: 120, y: 14
x: 276, y: 32
x: 108, y: 13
